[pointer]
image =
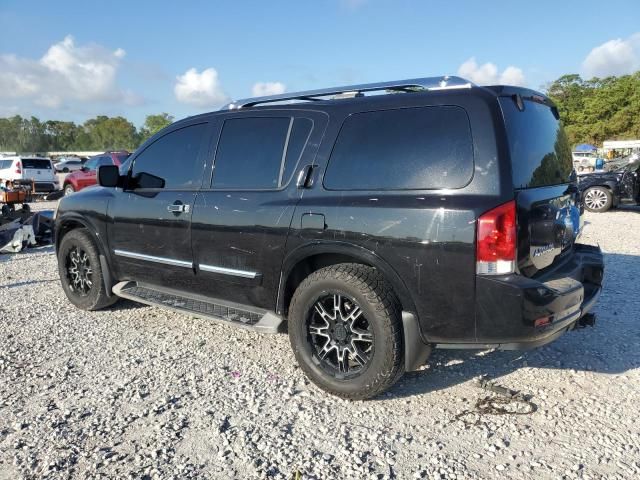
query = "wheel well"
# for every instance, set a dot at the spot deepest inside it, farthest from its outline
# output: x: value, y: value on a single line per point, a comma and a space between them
x: 65, y: 228
x: 308, y: 265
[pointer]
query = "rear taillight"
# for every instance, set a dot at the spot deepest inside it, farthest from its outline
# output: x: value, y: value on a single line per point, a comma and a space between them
x: 496, y: 240
x: 18, y: 167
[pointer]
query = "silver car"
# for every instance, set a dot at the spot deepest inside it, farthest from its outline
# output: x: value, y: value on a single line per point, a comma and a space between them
x: 67, y: 165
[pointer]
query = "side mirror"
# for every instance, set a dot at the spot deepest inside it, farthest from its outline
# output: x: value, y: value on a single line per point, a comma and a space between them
x: 108, y: 175
x: 147, y: 180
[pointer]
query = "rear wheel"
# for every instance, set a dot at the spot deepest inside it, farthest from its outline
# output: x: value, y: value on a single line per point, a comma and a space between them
x: 598, y: 199
x: 68, y: 189
x: 345, y: 330
x: 81, y: 273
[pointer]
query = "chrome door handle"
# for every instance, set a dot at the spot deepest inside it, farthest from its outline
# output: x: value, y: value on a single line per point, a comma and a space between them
x: 178, y: 208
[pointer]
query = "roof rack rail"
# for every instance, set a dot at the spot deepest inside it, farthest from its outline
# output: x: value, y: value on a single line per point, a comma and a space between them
x: 430, y: 83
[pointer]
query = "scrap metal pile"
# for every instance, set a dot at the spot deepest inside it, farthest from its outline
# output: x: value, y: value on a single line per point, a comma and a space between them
x: 19, y: 228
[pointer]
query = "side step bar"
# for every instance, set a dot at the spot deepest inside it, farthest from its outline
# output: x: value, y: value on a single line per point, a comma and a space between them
x: 261, y: 321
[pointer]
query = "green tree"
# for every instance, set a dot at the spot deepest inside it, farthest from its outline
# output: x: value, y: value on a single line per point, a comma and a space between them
x: 62, y: 135
x: 108, y: 133
x: 153, y: 124
x: 598, y: 109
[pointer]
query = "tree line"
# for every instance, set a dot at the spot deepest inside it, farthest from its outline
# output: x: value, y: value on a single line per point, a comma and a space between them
x: 592, y: 111
x: 30, y: 135
x: 598, y: 109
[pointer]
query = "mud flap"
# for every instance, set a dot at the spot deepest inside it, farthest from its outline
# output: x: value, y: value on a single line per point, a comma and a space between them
x: 416, y: 352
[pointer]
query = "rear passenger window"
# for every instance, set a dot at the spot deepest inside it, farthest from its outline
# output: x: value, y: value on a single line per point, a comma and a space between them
x: 174, y: 158
x: 250, y: 153
x: 410, y: 148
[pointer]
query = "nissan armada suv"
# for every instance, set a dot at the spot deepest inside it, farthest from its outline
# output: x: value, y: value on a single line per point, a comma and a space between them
x: 376, y: 221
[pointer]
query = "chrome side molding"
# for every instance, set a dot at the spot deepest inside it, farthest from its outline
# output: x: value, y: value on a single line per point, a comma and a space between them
x: 228, y: 271
x: 151, y: 258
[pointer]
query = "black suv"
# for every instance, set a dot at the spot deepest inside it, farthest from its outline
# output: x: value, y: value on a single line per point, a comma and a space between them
x: 378, y: 221
x: 620, y: 184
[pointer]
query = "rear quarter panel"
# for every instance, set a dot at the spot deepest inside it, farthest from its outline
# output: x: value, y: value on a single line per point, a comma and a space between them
x: 427, y: 237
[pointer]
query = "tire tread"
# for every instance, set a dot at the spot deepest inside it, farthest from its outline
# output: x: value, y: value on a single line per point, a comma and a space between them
x: 381, y: 296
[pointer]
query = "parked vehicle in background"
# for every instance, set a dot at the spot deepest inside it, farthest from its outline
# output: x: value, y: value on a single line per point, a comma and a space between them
x: 86, y: 175
x: 378, y: 226
x: 38, y: 170
x: 67, y: 165
x: 620, y: 184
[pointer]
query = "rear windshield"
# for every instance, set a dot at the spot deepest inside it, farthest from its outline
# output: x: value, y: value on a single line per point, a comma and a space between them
x: 540, y: 152
x: 36, y: 164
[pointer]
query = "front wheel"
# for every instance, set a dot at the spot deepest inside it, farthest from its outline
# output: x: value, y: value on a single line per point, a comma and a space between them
x: 81, y: 273
x: 598, y: 199
x: 346, y: 332
x: 65, y: 170
x: 68, y: 189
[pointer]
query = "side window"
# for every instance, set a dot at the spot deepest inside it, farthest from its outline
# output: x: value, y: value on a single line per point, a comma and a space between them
x: 250, y: 153
x: 173, y: 158
x: 410, y: 148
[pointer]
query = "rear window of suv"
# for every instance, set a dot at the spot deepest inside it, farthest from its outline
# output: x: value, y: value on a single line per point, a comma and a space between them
x: 404, y: 149
x: 540, y: 152
x: 36, y: 164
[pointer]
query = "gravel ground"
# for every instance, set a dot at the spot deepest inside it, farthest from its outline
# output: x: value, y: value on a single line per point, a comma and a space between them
x: 137, y: 392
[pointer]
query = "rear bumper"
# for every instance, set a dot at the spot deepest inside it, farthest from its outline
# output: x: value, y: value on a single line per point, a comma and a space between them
x: 45, y: 187
x: 508, y: 306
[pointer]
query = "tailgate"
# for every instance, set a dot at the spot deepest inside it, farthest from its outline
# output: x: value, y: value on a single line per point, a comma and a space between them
x: 547, y: 198
x: 37, y: 169
x: 548, y: 224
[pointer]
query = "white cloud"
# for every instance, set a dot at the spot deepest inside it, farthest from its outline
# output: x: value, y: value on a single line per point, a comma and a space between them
x: 488, y: 74
x: 261, y: 89
x: 512, y: 76
x: 66, y: 73
x: 200, y: 89
x: 615, y: 57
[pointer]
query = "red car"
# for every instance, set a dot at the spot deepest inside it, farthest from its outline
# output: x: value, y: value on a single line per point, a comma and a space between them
x: 86, y: 176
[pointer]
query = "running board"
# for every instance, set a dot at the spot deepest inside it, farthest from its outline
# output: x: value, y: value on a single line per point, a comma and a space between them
x: 261, y: 321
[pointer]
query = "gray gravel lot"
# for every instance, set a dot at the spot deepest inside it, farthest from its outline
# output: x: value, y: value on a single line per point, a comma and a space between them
x: 137, y: 392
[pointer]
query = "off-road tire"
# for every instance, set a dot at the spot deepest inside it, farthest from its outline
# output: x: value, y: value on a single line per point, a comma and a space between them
x: 382, y: 309
x: 96, y: 298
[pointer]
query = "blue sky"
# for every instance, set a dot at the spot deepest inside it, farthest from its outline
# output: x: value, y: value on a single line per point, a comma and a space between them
x: 77, y: 59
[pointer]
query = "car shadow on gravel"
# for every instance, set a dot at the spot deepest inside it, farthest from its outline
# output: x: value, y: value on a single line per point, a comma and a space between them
x: 612, y: 346
x: 624, y: 208
x: 124, y: 304
x: 28, y: 282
